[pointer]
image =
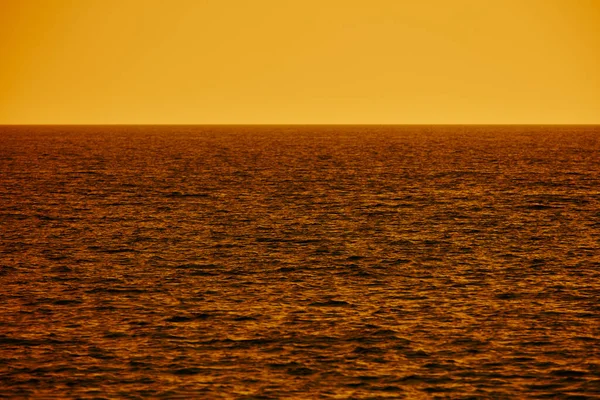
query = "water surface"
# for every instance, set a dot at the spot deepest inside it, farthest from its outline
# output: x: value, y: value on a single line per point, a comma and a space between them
x: 299, y: 262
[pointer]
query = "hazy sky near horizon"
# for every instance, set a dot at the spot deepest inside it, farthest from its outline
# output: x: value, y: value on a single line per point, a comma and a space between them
x: 309, y: 61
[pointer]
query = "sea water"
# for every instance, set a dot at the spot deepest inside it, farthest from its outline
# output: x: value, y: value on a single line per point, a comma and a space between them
x: 265, y: 262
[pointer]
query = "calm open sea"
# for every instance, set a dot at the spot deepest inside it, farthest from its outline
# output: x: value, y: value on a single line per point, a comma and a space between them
x: 300, y: 262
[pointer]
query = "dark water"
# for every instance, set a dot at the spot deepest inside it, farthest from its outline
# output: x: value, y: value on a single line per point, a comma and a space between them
x: 300, y: 262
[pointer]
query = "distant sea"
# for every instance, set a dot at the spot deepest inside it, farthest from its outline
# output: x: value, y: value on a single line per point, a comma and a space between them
x: 296, y: 262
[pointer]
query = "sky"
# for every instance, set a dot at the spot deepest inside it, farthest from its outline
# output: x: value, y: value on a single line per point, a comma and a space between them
x: 299, y: 61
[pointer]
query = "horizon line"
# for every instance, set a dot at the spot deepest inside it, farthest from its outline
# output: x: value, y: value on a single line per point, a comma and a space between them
x: 301, y: 124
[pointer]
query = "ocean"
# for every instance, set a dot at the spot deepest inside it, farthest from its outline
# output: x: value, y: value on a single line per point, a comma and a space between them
x: 297, y: 262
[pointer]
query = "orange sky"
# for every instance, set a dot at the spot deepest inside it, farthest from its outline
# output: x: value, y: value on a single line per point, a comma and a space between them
x: 299, y: 61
